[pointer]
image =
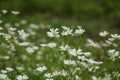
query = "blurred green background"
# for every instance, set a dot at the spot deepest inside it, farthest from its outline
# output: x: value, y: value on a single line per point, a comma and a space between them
x: 93, y: 14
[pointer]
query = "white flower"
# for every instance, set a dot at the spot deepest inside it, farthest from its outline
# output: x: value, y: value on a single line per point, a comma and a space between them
x: 3, y: 71
x: 15, y: 12
x: 104, y: 33
x: 34, y: 26
x: 66, y: 31
x: 22, y: 34
x: 64, y: 48
x: 22, y: 77
x: 74, y: 52
x: 107, y: 77
x: 53, y: 33
x: 69, y: 62
x: 4, y: 11
x: 112, y: 53
x: 1, y: 28
x: 48, y: 75
x: 116, y: 36
x: 93, y: 44
x: 51, y: 44
x: 4, y: 77
x: 87, y: 53
x: 23, y: 22
x: 43, y: 45
x: 9, y: 69
x: 30, y: 50
x: 24, y: 43
x: 63, y: 73
x: 79, y: 30
x: 41, y: 69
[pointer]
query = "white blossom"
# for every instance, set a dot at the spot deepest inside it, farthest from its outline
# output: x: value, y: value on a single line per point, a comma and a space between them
x: 66, y: 31
x: 15, y: 12
x: 104, y: 33
x: 53, y: 33
x: 79, y: 30
x: 22, y: 77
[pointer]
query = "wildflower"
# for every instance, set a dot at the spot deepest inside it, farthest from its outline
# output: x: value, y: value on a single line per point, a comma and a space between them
x: 87, y: 53
x: 41, y: 69
x: 112, y: 53
x: 64, y: 48
x: 30, y: 50
x: 22, y: 77
x: 1, y: 28
x: 23, y: 22
x: 79, y: 31
x: 34, y: 26
x: 64, y: 73
x: 15, y: 12
x: 3, y: 71
x: 48, y: 75
x: 66, y: 31
x: 116, y: 36
x: 4, y: 77
x: 9, y: 69
x: 93, y: 44
x: 74, y: 52
x: 107, y: 77
x: 53, y: 33
x: 24, y: 43
x: 51, y: 44
x: 104, y: 33
x: 4, y: 11
x: 69, y: 62
x: 22, y: 34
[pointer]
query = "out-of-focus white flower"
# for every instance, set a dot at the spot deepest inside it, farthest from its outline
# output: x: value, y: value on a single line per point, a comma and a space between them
x: 112, y: 53
x: 64, y: 48
x: 87, y: 53
x: 43, y: 45
x: 107, y: 77
x: 74, y: 52
x: 104, y: 33
x: 69, y: 62
x: 4, y: 77
x: 41, y: 69
x: 22, y: 34
x: 24, y: 43
x: 20, y: 68
x: 22, y: 77
x: 52, y: 44
x: 90, y: 42
x: 53, y: 33
x: 1, y: 28
x: 4, y: 11
x: 3, y: 71
x: 34, y: 26
x: 9, y: 69
x: 23, y: 22
x: 48, y: 75
x: 79, y: 30
x: 116, y: 36
x: 7, y: 36
x: 64, y: 73
x: 49, y: 79
x: 30, y: 50
x: 66, y: 31
x: 15, y: 12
